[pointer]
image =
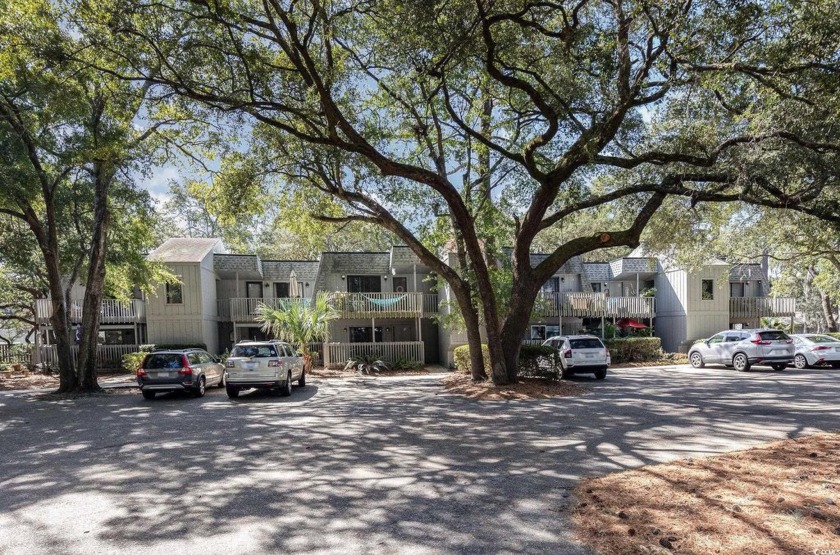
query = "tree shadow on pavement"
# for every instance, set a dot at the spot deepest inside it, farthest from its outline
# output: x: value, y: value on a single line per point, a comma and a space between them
x: 388, y: 465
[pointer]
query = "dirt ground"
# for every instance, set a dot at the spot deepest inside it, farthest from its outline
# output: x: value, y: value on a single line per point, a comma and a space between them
x: 26, y: 380
x: 779, y: 499
x: 341, y: 373
x: 527, y: 388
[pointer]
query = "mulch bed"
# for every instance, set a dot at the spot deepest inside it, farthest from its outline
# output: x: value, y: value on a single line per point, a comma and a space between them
x: 10, y: 381
x: 341, y: 373
x: 527, y: 388
x: 783, y: 498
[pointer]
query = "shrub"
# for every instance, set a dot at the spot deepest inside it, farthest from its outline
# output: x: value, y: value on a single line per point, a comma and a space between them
x: 404, y: 364
x: 132, y: 361
x: 534, y: 361
x: 634, y: 349
x: 366, y: 364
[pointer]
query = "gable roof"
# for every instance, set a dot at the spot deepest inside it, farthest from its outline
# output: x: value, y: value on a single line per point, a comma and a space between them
x: 185, y: 249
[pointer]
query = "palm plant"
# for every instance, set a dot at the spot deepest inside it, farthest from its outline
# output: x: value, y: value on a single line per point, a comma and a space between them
x: 299, y: 323
x: 366, y: 364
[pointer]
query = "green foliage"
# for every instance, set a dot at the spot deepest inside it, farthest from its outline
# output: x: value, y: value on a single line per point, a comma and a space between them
x: 462, y: 358
x: 405, y: 364
x: 634, y: 349
x: 534, y: 360
x: 300, y: 322
x: 366, y: 364
x: 132, y: 361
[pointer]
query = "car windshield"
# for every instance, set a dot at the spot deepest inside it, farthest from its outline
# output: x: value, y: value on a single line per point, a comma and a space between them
x: 255, y: 351
x: 822, y: 339
x: 163, y: 361
x: 586, y: 343
x: 773, y: 336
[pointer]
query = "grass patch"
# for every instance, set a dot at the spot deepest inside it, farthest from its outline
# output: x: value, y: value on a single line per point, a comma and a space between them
x: 778, y: 499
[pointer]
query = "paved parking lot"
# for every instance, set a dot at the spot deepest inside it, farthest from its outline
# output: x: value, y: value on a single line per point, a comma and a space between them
x: 390, y: 465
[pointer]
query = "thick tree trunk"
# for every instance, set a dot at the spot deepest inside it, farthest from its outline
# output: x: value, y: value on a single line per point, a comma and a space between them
x: 94, y: 291
x: 67, y: 378
x: 829, y: 309
x: 498, y: 365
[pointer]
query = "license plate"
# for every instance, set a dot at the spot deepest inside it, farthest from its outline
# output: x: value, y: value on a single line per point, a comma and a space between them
x: 250, y: 366
x: 779, y: 352
x: 590, y: 356
x: 164, y: 374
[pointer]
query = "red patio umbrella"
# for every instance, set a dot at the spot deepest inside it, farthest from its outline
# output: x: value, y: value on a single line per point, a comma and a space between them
x: 630, y: 323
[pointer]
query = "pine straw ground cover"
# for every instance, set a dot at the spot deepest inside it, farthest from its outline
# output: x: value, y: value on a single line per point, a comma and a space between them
x: 778, y: 499
x: 321, y: 372
x: 26, y: 380
x: 527, y: 388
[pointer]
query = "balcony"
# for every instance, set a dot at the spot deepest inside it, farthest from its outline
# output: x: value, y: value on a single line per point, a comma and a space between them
x: 386, y: 305
x: 245, y: 311
x: 112, y: 311
x: 592, y: 305
x: 761, y: 307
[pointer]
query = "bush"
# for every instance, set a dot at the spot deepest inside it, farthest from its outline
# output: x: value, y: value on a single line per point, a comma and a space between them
x: 132, y: 361
x: 402, y: 363
x: 633, y: 349
x: 534, y: 361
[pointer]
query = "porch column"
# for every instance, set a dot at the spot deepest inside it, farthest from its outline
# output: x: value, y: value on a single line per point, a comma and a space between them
x: 638, y: 293
x: 373, y: 329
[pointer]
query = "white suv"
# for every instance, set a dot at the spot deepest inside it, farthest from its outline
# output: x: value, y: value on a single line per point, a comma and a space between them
x: 270, y: 365
x: 581, y: 354
x: 741, y: 349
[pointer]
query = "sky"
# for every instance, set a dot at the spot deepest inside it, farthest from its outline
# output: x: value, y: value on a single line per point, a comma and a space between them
x: 158, y: 182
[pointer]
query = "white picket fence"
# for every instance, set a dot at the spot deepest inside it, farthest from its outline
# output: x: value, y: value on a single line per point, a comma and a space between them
x: 337, y: 354
x: 15, y: 354
x: 107, y: 356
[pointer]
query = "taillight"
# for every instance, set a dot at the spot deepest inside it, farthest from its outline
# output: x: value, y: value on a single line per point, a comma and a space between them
x: 185, y: 370
x: 820, y: 348
x: 273, y: 363
x: 141, y: 373
x: 759, y: 341
x: 788, y: 341
x: 568, y: 354
x: 230, y: 364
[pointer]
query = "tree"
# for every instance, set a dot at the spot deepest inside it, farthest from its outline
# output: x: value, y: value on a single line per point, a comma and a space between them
x: 300, y: 323
x: 69, y: 138
x: 513, y: 117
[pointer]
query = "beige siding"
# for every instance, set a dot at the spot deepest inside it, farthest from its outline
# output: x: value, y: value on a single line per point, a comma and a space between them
x: 208, y: 289
x: 705, y: 318
x: 671, y: 330
x: 181, y: 330
x: 671, y: 291
x: 190, y: 275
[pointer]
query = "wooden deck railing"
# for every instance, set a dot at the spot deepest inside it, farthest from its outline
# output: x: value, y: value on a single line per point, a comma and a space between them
x: 592, y: 305
x: 385, y: 305
x: 112, y: 311
x: 242, y: 310
x: 759, y: 307
x: 337, y: 354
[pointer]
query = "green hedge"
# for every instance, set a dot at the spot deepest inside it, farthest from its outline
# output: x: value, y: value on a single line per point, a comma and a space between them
x: 132, y: 361
x: 633, y: 349
x: 534, y: 361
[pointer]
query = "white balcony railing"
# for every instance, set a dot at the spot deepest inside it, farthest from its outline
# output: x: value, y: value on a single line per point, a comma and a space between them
x: 761, y: 307
x: 592, y: 305
x: 107, y: 356
x: 242, y: 310
x: 336, y: 355
x: 387, y: 305
x: 112, y: 311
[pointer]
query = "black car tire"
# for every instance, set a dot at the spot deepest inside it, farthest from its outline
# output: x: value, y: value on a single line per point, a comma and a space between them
x: 600, y: 374
x: 778, y: 367
x: 286, y: 388
x: 741, y: 362
x: 302, y: 380
x: 232, y: 392
x: 800, y: 362
x: 696, y: 360
x: 149, y: 395
x: 201, y: 388
x: 223, y: 381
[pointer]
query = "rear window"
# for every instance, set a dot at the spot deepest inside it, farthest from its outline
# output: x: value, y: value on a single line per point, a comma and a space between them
x: 773, y: 336
x: 162, y: 361
x: 255, y: 351
x: 587, y: 343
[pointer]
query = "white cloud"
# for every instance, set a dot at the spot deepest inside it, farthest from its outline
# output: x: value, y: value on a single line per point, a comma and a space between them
x: 158, y: 183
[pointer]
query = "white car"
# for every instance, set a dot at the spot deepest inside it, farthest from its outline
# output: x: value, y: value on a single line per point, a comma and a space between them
x: 813, y: 349
x: 270, y: 365
x: 581, y: 354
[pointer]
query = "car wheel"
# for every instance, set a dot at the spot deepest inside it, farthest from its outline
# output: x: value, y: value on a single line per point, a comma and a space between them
x: 232, y: 392
x: 779, y: 367
x: 600, y: 374
x: 696, y: 360
x: 835, y: 364
x: 800, y: 362
x: 302, y: 380
x: 201, y: 388
x: 148, y: 394
x: 223, y: 381
x: 741, y: 362
x: 286, y: 388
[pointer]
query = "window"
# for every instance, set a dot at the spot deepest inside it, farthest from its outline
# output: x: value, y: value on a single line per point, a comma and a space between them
x: 737, y: 290
x: 256, y: 351
x: 733, y: 337
x: 253, y: 289
x: 205, y: 358
x: 586, y: 343
x: 552, y: 285
x: 773, y: 336
x: 707, y: 289
x: 193, y: 359
x: 174, y: 293
x: 364, y: 284
x: 365, y: 335
x: 596, y: 287
x: 281, y: 290
x: 716, y: 339
x: 538, y: 333
x: 400, y: 285
x: 168, y: 361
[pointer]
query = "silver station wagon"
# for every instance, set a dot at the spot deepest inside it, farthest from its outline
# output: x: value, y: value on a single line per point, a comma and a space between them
x: 192, y: 370
x: 272, y: 365
x: 741, y: 349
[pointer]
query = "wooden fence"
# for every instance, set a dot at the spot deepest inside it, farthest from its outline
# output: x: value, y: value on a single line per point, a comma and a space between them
x: 107, y: 356
x: 337, y: 354
x: 15, y: 354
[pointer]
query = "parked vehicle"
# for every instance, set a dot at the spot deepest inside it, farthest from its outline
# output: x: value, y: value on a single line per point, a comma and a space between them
x: 742, y: 349
x: 190, y: 370
x: 581, y: 354
x: 270, y: 365
x: 814, y: 349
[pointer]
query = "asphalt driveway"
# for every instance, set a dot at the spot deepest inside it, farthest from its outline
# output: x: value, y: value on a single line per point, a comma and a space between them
x: 391, y: 465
